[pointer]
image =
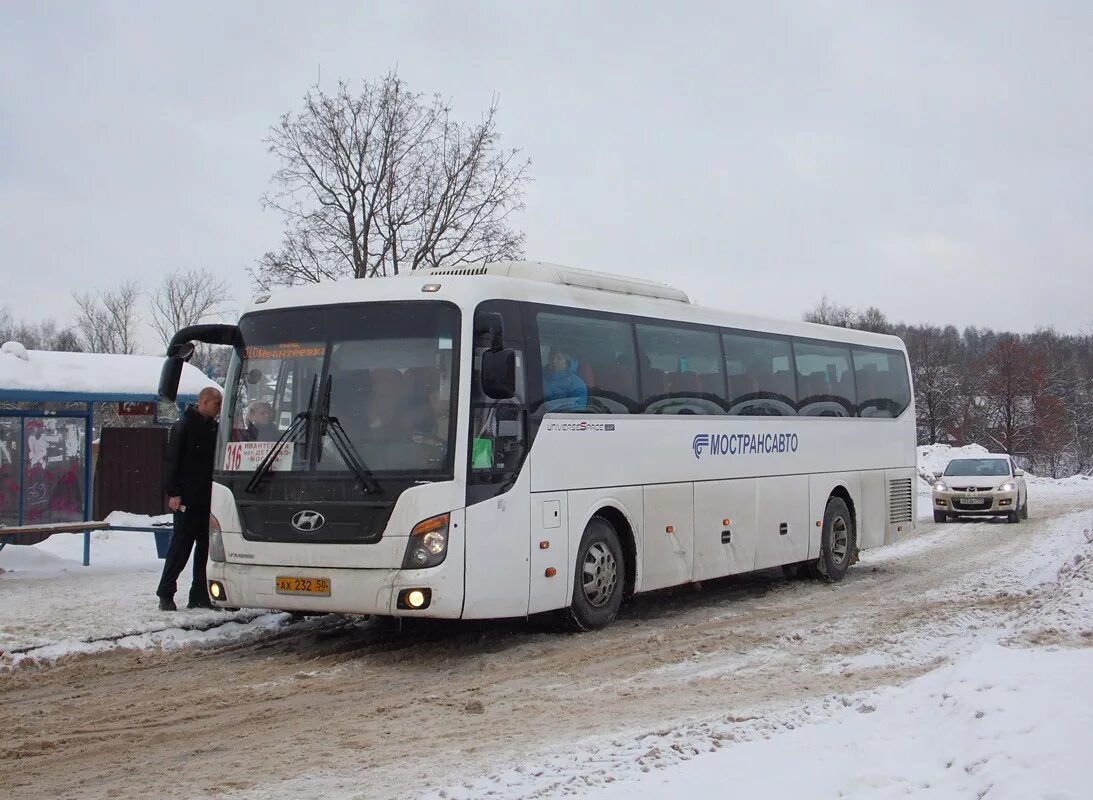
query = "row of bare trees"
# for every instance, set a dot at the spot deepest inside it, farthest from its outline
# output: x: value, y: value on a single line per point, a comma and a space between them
x: 1029, y: 395
x: 110, y: 320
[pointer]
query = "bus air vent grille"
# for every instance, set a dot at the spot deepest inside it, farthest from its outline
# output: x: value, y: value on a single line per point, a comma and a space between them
x: 899, y: 501
x: 459, y: 271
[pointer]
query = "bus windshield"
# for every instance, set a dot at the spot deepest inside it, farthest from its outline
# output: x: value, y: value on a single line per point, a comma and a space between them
x: 388, y: 369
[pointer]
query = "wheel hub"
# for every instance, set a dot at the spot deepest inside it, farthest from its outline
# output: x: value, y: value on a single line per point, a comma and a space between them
x: 840, y: 540
x: 600, y: 575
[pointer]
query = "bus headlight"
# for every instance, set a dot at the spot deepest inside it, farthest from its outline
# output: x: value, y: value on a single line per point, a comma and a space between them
x: 216, y: 541
x: 428, y: 543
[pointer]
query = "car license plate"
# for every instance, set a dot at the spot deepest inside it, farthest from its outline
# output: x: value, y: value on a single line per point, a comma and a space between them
x: 975, y: 501
x: 291, y: 584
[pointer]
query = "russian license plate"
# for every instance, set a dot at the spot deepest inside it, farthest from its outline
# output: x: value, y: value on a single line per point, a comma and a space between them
x: 290, y: 584
x: 975, y: 501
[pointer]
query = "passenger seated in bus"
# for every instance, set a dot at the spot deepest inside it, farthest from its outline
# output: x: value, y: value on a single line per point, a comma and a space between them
x: 560, y: 382
x: 260, y: 427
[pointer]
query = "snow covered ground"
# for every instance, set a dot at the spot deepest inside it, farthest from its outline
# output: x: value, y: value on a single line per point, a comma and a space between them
x: 1003, y: 710
x: 53, y: 606
x: 952, y: 664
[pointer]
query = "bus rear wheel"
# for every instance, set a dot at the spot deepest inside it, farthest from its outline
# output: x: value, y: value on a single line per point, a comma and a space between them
x: 838, y: 542
x: 599, y: 578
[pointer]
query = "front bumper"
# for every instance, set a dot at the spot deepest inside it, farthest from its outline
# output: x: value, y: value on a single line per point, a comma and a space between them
x: 352, y: 591
x: 983, y: 503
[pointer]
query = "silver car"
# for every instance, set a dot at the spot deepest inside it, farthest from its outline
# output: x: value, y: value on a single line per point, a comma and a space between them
x: 989, y: 486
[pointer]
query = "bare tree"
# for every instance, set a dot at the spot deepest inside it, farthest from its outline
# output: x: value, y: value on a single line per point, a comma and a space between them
x: 828, y: 312
x: 108, y: 320
x: 185, y: 297
x: 1013, y: 373
x: 383, y: 181
x: 44, y: 335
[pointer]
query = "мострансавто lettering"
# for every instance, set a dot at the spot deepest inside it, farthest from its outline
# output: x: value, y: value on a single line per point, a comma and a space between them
x: 733, y: 444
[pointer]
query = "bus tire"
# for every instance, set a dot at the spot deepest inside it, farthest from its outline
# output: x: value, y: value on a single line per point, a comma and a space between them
x: 838, y: 542
x: 598, y: 579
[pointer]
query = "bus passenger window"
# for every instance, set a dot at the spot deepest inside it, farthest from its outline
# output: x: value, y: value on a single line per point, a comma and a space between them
x: 883, y: 388
x: 759, y: 377
x: 588, y: 364
x: 681, y: 370
x: 825, y: 380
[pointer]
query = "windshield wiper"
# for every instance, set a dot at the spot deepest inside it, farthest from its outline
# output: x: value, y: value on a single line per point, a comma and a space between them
x: 342, y: 443
x: 299, y: 423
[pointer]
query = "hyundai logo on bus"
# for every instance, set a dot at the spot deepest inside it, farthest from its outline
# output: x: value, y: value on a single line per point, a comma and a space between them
x: 308, y: 521
x: 724, y: 444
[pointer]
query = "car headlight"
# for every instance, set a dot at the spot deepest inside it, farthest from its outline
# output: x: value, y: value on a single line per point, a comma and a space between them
x: 428, y: 544
x: 940, y: 487
x: 1006, y: 487
x: 216, y: 541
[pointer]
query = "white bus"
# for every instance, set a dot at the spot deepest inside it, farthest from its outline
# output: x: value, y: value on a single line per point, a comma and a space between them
x: 507, y: 439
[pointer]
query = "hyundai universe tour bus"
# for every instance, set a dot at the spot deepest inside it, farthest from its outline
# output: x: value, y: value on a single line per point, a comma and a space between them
x: 507, y: 439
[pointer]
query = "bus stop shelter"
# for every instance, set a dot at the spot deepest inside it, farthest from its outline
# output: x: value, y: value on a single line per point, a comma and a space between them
x: 48, y: 403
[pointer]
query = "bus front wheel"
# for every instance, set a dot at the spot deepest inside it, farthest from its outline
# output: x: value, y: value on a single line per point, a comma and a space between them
x: 838, y: 542
x: 599, y: 578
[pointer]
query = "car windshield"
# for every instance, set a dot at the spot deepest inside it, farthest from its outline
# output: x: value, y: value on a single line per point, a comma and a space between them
x: 390, y: 373
x: 979, y: 467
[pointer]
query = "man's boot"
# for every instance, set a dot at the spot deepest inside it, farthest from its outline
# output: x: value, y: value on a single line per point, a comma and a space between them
x: 167, y: 604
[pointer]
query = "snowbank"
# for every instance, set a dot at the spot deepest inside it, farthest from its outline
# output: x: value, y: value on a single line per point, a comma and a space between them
x: 932, y: 460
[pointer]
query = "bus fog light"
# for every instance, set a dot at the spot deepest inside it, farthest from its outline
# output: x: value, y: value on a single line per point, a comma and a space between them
x: 414, y: 599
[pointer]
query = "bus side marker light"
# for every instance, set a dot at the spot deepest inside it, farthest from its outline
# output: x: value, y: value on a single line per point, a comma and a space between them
x: 551, y: 572
x: 670, y: 529
x: 819, y: 523
x: 544, y: 545
x: 726, y: 522
x: 431, y: 287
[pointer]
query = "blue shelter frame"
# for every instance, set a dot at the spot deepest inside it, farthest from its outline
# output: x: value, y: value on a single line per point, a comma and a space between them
x: 87, y: 413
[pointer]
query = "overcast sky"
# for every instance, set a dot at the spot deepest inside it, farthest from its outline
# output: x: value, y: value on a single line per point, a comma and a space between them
x: 932, y: 159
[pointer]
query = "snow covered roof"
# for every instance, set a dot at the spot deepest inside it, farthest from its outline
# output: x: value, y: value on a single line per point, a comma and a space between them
x: 45, y: 376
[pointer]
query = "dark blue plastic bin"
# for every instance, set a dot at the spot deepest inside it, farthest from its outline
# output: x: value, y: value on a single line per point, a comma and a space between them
x: 163, y: 541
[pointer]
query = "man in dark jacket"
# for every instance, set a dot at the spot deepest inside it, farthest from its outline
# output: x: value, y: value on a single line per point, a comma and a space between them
x: 188, y: 481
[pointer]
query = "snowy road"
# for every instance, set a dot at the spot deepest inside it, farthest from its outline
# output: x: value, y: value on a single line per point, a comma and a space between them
x: 341, y: 708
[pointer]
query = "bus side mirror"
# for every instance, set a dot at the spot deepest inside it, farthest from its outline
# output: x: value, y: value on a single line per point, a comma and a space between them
x: 171, y: 374
x: 499, y: 373
x: 169, y: 377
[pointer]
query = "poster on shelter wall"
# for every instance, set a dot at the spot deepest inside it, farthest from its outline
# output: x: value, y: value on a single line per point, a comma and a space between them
x: 10, y: 450
x: 53, y: 473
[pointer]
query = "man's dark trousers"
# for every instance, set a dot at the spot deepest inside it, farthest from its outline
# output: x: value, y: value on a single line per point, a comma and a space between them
x: 191, y: 533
